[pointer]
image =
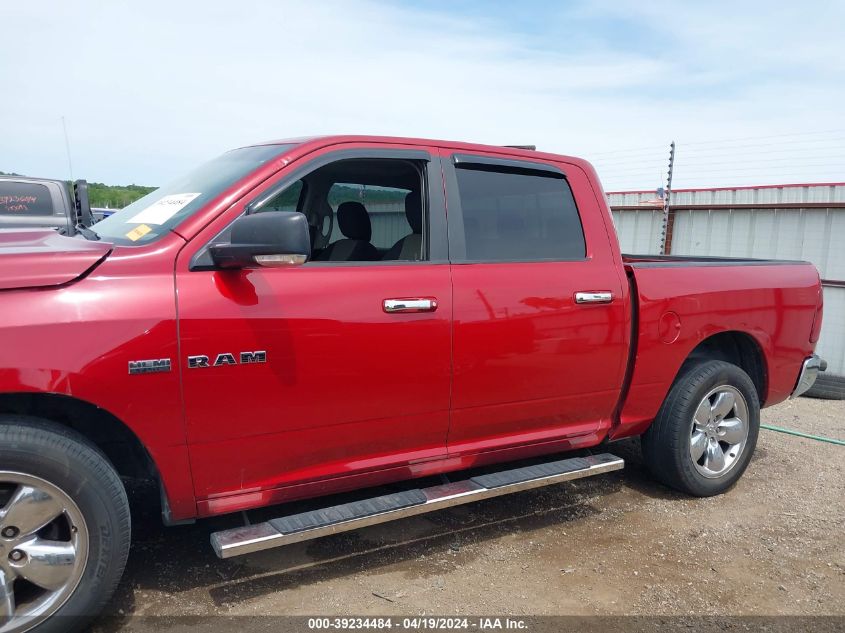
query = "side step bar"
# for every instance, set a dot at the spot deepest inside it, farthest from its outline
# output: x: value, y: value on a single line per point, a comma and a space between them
x: 357, y: 514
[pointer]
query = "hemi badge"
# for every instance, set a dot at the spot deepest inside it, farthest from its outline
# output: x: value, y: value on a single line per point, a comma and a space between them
x: 149, y: 366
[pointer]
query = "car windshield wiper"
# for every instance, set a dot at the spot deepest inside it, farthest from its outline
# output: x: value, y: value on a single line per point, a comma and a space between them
x: 87, y: 233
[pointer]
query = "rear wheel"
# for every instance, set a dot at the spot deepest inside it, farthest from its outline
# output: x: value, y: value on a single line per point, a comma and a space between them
x: 706, y: 430
x: 64, y: 527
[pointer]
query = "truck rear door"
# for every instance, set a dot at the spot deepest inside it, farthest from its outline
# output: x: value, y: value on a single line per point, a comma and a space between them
x: 540, y: 326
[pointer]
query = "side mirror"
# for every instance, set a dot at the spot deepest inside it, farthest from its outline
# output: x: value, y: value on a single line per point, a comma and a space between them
x: 272, y: 238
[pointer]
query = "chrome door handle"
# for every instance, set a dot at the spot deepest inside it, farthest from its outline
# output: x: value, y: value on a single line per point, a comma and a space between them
x: 410, y: 305
x: 601, y: 296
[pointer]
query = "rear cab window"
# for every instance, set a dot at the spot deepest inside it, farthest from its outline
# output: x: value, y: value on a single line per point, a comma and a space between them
x: 513, y: 214
x: 25, y: 199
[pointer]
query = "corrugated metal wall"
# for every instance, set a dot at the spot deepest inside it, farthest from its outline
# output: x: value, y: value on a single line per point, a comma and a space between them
x: 639, y: 230
x: 791, y: 222
x: 389, y: 223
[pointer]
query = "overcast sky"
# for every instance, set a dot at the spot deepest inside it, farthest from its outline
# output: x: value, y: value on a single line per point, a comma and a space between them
x: 751, y: 91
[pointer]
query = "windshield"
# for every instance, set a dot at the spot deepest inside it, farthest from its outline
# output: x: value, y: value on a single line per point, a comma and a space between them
x: 152, y: 216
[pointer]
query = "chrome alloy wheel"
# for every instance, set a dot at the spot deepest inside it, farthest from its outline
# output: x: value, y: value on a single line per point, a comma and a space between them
x: 43, y: 549
x: 719, y: 431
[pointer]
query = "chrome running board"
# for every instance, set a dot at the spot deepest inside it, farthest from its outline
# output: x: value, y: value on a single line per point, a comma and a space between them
x: 357, y: 514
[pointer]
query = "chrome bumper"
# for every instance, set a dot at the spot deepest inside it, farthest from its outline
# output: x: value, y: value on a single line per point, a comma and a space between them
x: 809, y: 371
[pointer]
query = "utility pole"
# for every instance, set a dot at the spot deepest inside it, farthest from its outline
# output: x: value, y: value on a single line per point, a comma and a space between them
x: 668, y: 220
x: 67, y: 148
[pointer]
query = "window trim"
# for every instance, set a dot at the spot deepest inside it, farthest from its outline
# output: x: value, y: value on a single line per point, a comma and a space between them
x: 456, y: 236
x: 511, y: 165
x: 438, y: 247
x: 326, y: 159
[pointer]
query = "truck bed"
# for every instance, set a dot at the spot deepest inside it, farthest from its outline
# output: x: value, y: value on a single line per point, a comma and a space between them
x: 679, y: 302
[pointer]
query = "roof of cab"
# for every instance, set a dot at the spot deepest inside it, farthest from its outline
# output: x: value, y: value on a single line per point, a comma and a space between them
x: 316, y: 142
x: 30, y: 179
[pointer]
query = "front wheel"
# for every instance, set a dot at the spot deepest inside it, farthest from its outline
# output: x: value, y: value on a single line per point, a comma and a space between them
x: 64, y: 527
x: 705, y: 432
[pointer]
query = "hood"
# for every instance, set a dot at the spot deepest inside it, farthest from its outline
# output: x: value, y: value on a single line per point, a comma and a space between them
x: 41, y: 257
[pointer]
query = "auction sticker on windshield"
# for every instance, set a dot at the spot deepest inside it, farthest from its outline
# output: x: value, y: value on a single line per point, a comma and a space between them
x: 138, y: 232
x: 162, y: 210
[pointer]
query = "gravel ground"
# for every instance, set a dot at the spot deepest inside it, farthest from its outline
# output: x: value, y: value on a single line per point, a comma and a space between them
x: 616, y: 544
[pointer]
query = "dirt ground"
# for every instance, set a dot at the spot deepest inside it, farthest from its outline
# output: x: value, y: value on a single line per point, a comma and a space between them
x: 613, y: 544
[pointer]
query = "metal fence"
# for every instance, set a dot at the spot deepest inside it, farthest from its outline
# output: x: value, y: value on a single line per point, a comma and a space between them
x: 804, y: 222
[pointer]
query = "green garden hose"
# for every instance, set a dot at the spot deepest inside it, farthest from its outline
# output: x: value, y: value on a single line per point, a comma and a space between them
x: 819, y: 438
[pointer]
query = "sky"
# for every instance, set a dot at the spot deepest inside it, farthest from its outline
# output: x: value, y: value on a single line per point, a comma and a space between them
x: 751, y: 92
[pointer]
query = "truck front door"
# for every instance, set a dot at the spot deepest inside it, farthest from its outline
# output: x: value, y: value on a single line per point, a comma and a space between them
x: 325, y: 371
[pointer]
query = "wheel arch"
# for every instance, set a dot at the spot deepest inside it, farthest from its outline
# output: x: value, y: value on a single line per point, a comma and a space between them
x: 738, y: 348
x: 643, y: 398
x: 121, y: 446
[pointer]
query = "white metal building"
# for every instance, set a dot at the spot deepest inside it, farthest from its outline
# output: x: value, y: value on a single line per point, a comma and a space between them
x: 801, y: 221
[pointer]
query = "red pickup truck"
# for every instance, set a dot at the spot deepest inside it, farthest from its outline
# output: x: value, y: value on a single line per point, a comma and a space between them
x: 309, y: 316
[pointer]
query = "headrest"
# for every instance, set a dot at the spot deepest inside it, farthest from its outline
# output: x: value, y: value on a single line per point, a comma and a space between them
x: 413, y: 211
x: 354, y: 221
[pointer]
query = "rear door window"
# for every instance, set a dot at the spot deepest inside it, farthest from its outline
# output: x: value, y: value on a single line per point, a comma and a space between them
x: 25, y: 198
x: 518, y: 215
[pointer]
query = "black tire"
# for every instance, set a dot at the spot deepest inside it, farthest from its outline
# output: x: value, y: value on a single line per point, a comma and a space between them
x: 68, y: 461
x: 666, y: 444
x: 828, y: 387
